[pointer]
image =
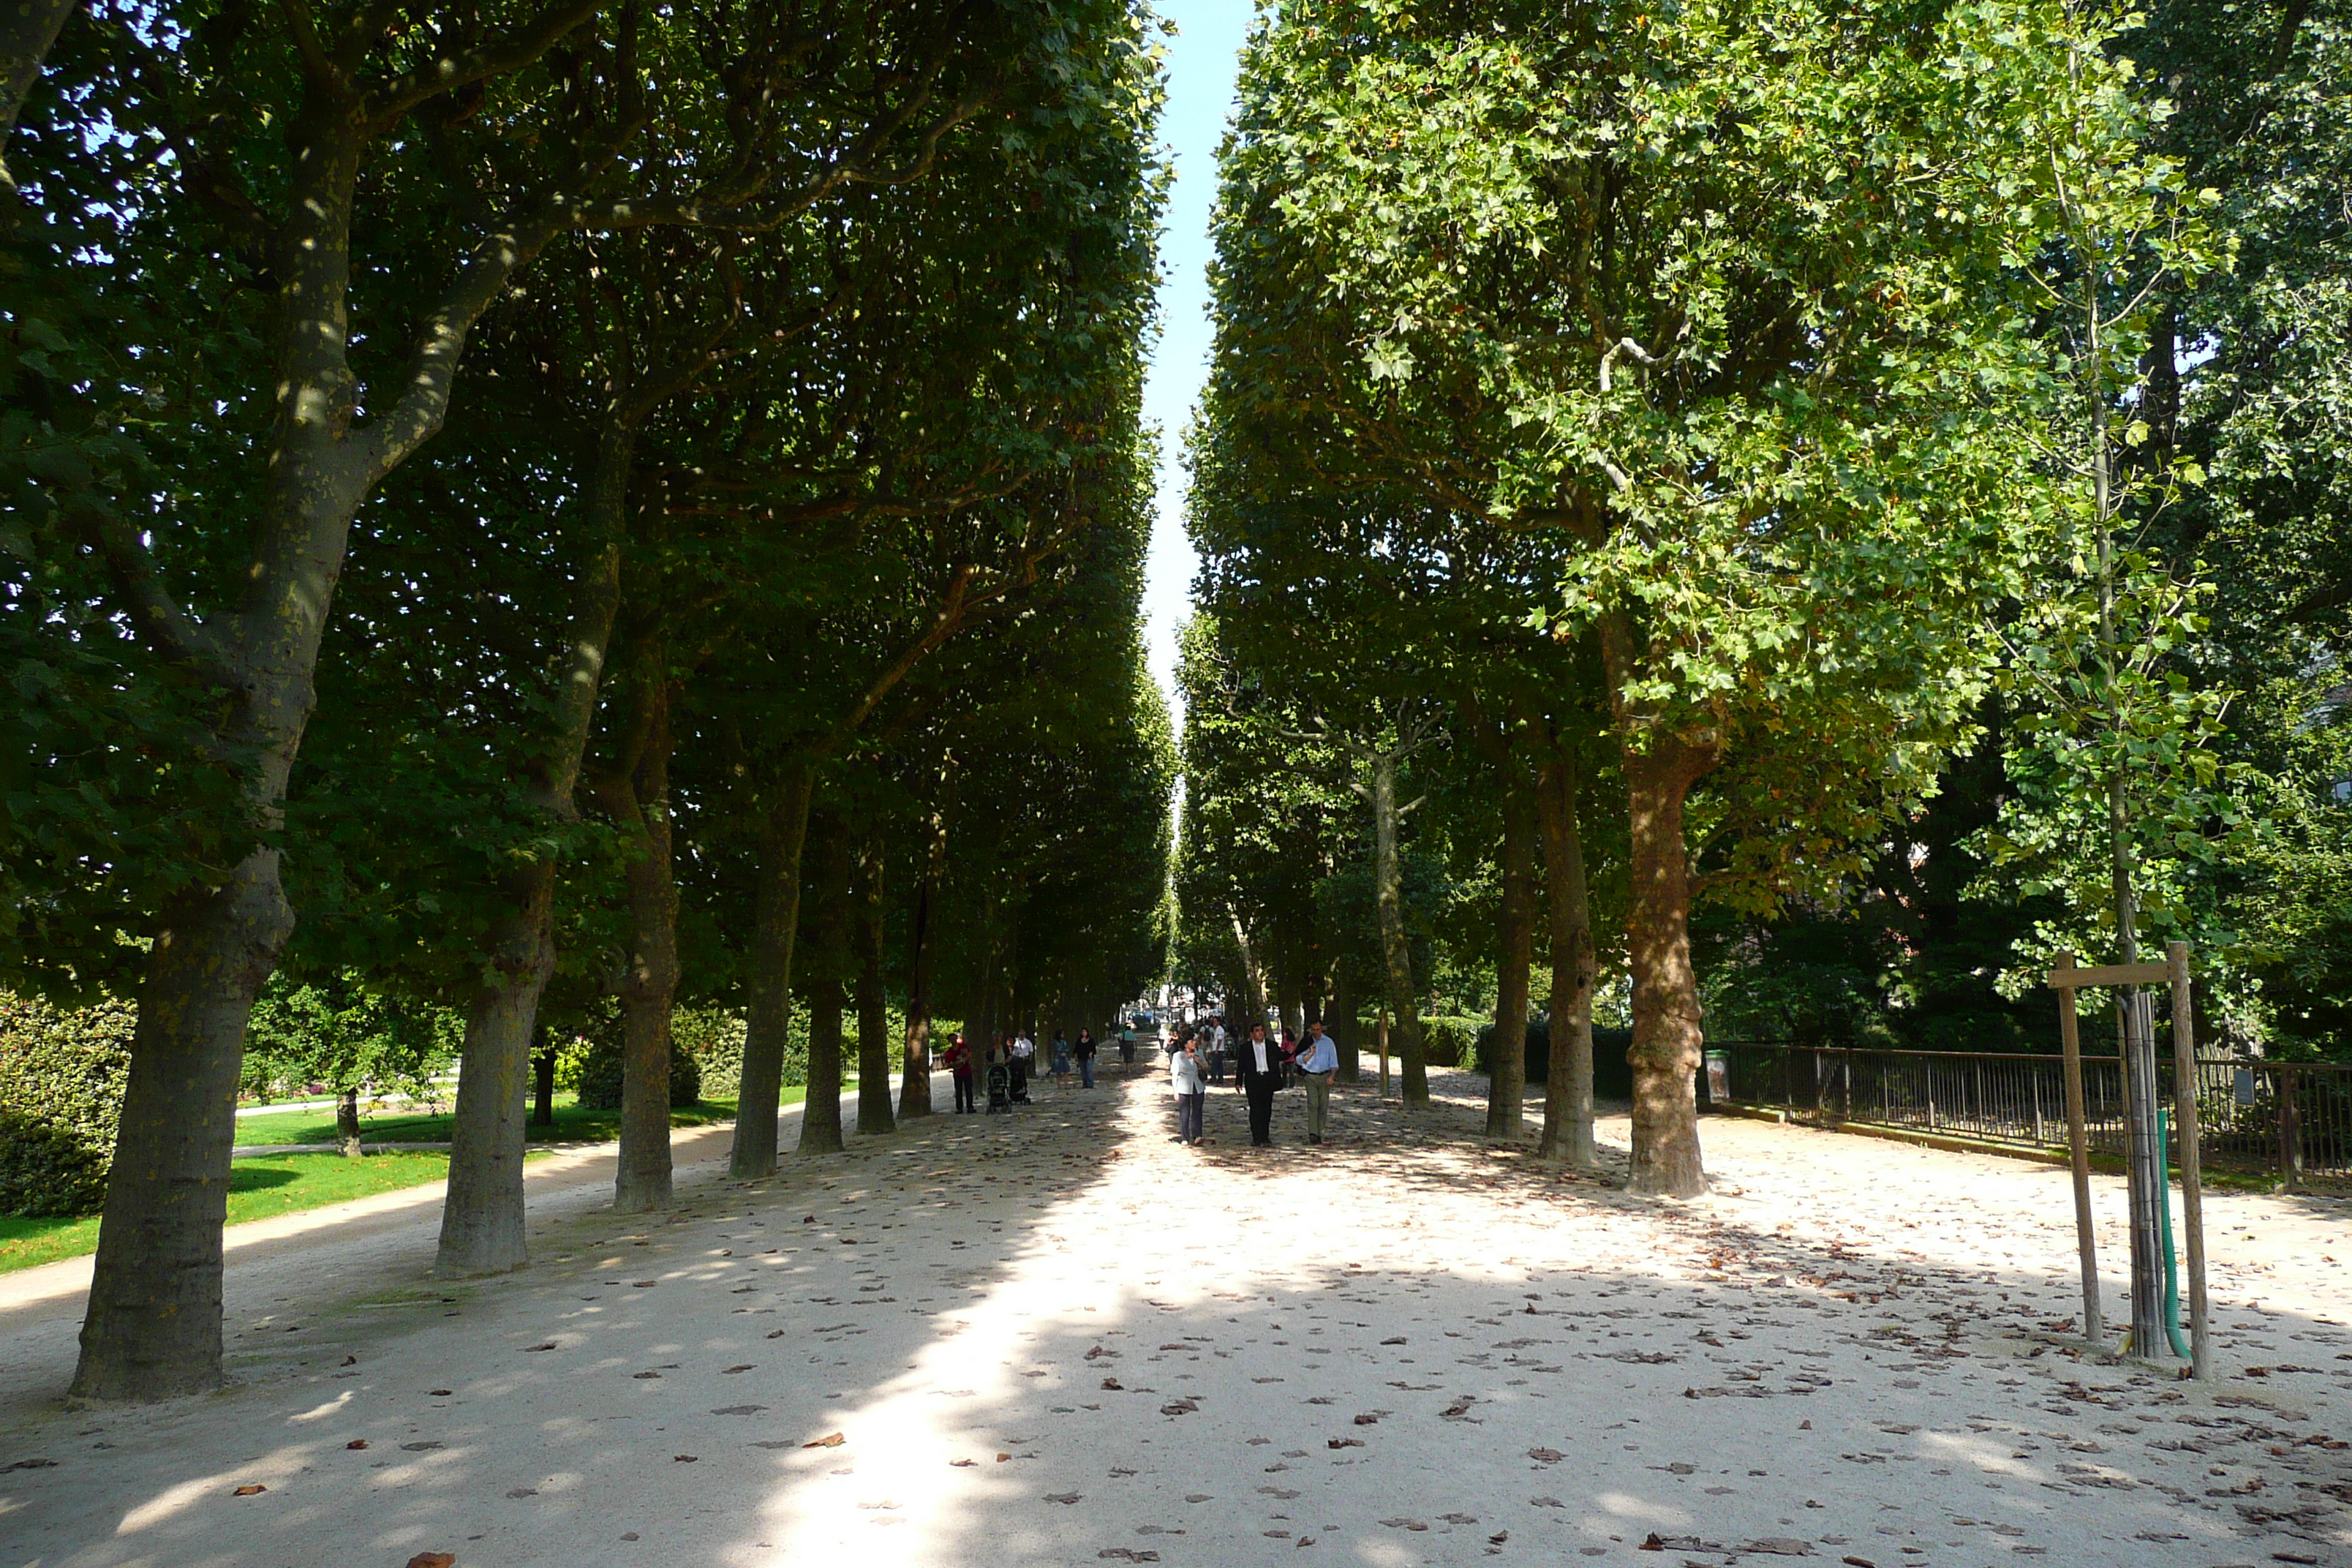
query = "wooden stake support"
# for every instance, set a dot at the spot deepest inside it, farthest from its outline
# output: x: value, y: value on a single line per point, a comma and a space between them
x: 2173, y: 972
x: 2078, y: 1146
x: 2192, y: 1180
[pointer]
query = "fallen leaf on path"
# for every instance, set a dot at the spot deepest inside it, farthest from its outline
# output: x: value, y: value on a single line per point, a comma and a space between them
x: 832, y: 1440
x: 523, y: 1492
x: 686, y: 1458
x: 356, y: 1443
x: 1345, y: 1443
x: 1858, y: 1563
x: 529, y: 1350
x: 1398, y: 1341
x: 248, y: 1490
x: 1404, y: 1525
x: 1114, y: 1385
x: 433, y: 1559
x: 1368, y: 1420
x: 729, y: 1371
x: 1065, y: 1497
x: 964, y: 1464
x: 739, y: 1410
x: 645, y: 1374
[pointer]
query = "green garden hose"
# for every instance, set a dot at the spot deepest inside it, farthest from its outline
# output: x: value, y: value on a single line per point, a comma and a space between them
x: 2164, y: 1228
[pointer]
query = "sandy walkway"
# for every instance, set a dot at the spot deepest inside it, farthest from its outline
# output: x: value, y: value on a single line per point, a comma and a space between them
x: 1057, y: 1338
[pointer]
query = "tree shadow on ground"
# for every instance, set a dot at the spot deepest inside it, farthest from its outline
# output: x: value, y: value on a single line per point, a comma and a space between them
x: 1144, y: 1352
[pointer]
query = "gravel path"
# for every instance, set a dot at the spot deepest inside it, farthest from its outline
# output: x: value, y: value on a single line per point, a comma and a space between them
x: 1059, y: 1338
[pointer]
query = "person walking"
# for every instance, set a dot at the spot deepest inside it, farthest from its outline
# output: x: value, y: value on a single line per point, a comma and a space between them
x: 1289, y: 1057
x: 1317, y: 1060
x: 1187, y: 1075
x: 1127, y: 1045
x: 1216, y: 1049
x: 957, y: 1061
x: 1024, y: 1052
x: 1059, y: 1065
x: 1085, y: 1053
x: 1261, y: 1075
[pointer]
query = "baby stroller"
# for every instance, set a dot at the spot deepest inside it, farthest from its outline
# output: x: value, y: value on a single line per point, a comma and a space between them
x: 1000, y: 1087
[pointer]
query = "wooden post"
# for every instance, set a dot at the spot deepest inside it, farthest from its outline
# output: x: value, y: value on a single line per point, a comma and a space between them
x: 2193, y: 1190
x: 2078, y: 1145
x: 1384, y: 1049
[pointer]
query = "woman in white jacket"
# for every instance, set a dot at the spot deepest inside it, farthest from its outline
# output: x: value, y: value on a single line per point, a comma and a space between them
x: 1188, y: 1074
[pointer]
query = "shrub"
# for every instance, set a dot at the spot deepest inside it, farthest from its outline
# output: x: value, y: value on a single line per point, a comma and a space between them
x: 1449, y: 1042
x: 596, y: 1067
x: 61, y: 1080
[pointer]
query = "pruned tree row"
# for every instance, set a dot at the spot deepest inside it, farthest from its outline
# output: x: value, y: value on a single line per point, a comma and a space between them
x: 1650, y: 454
x: 553, y: 509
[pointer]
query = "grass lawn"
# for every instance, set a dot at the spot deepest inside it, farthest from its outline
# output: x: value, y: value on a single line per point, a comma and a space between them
x: 266, y: 1184
x: 258, y: 1188
x: 573, y: 1124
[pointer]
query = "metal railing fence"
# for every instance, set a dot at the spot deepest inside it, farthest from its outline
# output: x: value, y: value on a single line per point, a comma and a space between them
x: 2284, y: 1119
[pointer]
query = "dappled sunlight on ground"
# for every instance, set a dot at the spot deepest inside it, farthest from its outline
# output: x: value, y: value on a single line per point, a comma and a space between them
x: 1059, y: 1338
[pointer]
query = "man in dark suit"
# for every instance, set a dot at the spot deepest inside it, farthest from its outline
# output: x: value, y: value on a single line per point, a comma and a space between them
x: 1261, y: 1075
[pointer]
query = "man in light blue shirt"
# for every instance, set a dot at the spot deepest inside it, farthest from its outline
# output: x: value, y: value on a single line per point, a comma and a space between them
x: 1318, y: 1058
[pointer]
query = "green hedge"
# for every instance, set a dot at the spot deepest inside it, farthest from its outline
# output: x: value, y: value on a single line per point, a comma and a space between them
x: 61, y: 1080
x: 1448, y: 1042
x: 595, y: 1068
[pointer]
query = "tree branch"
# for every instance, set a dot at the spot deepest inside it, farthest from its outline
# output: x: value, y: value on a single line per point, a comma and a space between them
x: 384, y: 105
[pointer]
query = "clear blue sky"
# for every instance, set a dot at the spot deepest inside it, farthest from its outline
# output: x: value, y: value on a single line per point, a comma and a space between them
x: 1201, y: 58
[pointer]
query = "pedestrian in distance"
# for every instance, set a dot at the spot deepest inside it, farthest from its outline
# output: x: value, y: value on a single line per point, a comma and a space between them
x: 1187, y: 1075
x: 1127, y: 1045
x: 1216, y: 1028
x: 1083, y: 1050
x: 1289, y: 1057
x: 959, y: 1063
x: 1317, y: 1060
x: 1261, y: 1076
x: 1024, y: 1052
x: 1059, y: 1065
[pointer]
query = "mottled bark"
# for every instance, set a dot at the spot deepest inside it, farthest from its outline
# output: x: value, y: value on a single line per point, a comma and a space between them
x: 1396, y: 953
x: 1339, y: 1023
x: 768, y: 1016
x: 1660, y: 763
x: 347, y: 1124
x: 915, y: 1091
x: 634, y: 792
x: 874, y: 1115
x: 152, y: 1327
x: 1568, y: 1085
x: 1506, y: 1064
x: 821, y: 1111
x: 482, y: 1210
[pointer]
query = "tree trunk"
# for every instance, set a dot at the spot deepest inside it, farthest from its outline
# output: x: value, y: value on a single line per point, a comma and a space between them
x: 872, y: 1020
x: 1254, y: 986
x: 1567, y: 1087
x: 151, y: 1330
x: 1396, y: 954
x: 1659, y: 767
x: 542, y: 1071
x: 152, y: 1327
x: 1506, y: 1066
x: 775, y: 925
x: 482, y: 1215
x: 482, y: 1211
x: 28, y: 29
x: 635, y: 795
x: 1340, y: 1024
x: 915, y: 1091
x: 347, y: 1124
x: 821, y: 1111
